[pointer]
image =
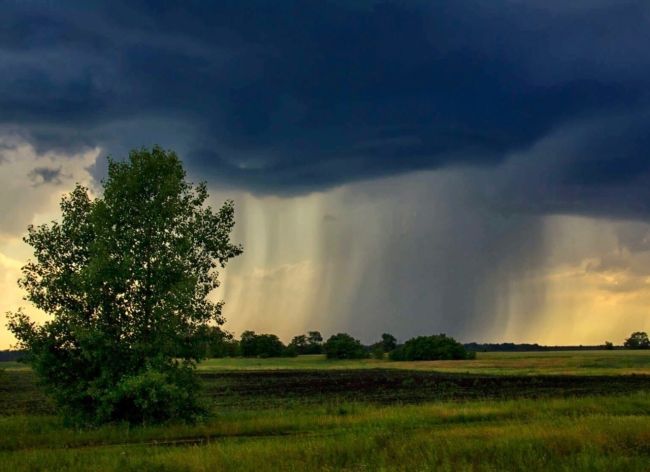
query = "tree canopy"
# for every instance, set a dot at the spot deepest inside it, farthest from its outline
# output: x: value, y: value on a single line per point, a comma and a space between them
x: 311, y: 343
x: 344, y: 346
x: 262, y: 345
x: 433, y: 347
x: 125, y: 277
x: 638, y: 340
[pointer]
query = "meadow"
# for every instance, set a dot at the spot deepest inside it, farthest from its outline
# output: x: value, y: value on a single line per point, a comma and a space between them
x: 578, y: 410
x: 619, y: 362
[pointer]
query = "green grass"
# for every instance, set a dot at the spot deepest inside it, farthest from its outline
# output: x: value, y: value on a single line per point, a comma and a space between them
x: 487, y: 363
x: 570, y: 411
x: 11, y: 365
x: 568, y: 434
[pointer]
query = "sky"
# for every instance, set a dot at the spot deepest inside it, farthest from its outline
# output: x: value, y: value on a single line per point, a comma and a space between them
x: 475, y: 168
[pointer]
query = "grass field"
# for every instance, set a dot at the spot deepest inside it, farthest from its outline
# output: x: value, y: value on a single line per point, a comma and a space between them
x: 487, y: 363
x: 576, y: 411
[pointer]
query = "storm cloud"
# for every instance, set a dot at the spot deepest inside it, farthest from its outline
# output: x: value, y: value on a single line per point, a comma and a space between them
x: 292, y: 97
x: 479, y: 168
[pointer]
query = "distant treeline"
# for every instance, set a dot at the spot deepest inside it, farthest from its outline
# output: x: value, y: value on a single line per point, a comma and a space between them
x: 219, y: 343
x: 6, y: 356
x: 524, y: 347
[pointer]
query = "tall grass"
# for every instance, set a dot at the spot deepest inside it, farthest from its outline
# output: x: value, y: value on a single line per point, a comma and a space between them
x: 591, y: 433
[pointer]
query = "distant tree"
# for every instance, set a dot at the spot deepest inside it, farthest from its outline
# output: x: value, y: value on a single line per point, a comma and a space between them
x: 262, y: 345
x: 247, y: 344
x: 314, y: 337
x: 609, y: 345
x: 299, y: 344
x: 377, y: 351
x: 289, y: 351
x: 314, y: 343
x: 388, y: 342
x: 269, y: 345
x: 431, y: 348
x: 220, y: 343
x: 344, y: 346
x: 126, y: 277
x: 637, y: 340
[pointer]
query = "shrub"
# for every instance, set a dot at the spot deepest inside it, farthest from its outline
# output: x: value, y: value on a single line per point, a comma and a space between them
x: 344, y: 346
x: 151, y: 397
x: 436, y: 347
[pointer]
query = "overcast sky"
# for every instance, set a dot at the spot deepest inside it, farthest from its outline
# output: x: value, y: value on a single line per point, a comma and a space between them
x: 476, y: 168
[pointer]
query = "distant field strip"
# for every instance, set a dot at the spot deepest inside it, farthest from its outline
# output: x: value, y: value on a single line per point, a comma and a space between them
x: 487, y: 363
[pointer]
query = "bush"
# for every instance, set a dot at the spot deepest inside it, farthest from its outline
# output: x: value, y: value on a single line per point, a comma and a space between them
x: 436, y: 347
x: 151, y: 397
x: 344, y: 346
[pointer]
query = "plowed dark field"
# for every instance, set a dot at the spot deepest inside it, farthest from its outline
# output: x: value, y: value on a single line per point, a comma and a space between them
x: 19, y: 392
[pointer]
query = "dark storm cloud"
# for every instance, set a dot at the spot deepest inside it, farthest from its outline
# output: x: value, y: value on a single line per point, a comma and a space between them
x: 286, y: 97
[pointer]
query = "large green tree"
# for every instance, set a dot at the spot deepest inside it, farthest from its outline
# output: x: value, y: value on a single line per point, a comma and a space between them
x: 125, y: 278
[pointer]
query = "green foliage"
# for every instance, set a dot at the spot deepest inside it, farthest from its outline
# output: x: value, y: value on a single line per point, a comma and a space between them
x: 219, y: 343
x: 312, y: 343
x: 125, y: 277
x: 609, y: 345
x: 388, y: 342
x: 344, y: 346
x: 436, y: 347
x: 637, y: 340
x: 377, y: 351
x: 263, y: 345
x: 151, y: 397
x: 299, y: 344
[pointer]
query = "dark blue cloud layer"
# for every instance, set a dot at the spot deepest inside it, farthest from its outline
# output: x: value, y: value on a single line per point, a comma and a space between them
x: 289, y: 96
